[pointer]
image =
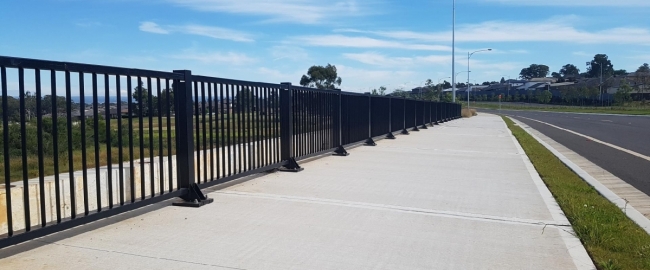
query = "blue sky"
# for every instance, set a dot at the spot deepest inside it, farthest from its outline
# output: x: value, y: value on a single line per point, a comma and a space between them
x: 397, y: 44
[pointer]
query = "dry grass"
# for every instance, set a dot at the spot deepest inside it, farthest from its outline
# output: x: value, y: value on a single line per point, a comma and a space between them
x: 467, y: 113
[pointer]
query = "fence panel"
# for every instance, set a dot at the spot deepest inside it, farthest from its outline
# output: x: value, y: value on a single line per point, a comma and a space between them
x: 397, y: 114
x: 419, y: 113
x: 410, y: 112
x: 380, y: 112
x: 355, y: 120
x: 81, y: 139
x: 313, y: 120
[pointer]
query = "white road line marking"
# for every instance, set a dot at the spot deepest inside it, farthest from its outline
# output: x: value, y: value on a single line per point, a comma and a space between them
x: 607, y: 121
x: 593, y: 139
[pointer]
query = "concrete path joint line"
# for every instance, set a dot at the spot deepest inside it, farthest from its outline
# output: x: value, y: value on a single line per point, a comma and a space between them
x: 448, y: 214
x: 136, y: 255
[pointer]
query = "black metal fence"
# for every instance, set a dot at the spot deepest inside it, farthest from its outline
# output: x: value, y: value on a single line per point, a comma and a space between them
x: 83, y: 142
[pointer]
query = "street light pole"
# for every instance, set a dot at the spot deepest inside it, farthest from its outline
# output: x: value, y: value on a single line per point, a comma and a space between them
x: 469, y: 55
x: 453, y: 52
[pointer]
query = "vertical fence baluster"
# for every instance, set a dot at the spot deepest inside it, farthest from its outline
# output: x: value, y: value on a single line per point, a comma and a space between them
x: 120, y: 140
x: 55, y: 144
x: 109, y: 148
x: 129, y: 95
x: 223, y: 142
x: 96, y: 142
x: 204, y: 149
x: 161, y: 151
x: 211, y: 132
x: 68, y: 95
x: 23, y: 146
x: 169, y: 110
x: 39, y: 131
x: 7, y: 162
x: 229, y: 130
x: 152, y: 146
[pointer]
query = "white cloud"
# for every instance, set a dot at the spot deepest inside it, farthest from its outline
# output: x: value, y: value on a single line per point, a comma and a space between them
x: 581, y: 3
x: 152, y: 27
x: 297, y: 11
x: 372, y: 58
x: 557, y: 29
x: 359, y: 80
x: 362, y: 42
x: 232, y: 58
x: 581, y: 53
x: 292, y: 53
x: 195, y: 29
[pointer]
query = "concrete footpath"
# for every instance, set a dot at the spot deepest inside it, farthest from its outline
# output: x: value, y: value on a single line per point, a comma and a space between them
x: 462, y: 195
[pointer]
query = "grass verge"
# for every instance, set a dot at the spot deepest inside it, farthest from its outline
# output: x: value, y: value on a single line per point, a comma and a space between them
x: 607, y: 110
x: 611, y: 238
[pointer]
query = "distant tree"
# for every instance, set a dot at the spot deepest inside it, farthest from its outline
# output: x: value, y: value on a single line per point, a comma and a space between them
x: 593, y: 67
x: 503, y: 80
x: 321, y: 77
x: 620, y: 72
x: 167, y: 105
x: 13, y: 109
x: 569, y: 70
x: 400, y: 93
x: 643, y: 77
x: 623, y: 94
x: 141, y: 98
x: 379, y: 92
x: 645, y: 68
x: 556, y: 75
x: 47, y: 104
x: 534, y: 71
x: 545, y: 96
x: 245, y: 100
x: 446, y: 85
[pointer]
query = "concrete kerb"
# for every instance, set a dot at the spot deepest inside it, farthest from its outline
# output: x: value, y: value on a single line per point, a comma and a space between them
x: 576, y: 250
x: 621, y: 203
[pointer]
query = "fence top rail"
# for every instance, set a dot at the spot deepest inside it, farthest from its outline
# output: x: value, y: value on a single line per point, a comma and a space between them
x: 327, y: 91
x: 15, y: 62
x: 207, y: 79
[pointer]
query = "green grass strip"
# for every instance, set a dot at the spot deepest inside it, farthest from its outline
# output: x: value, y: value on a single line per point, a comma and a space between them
x: 612, y: 240
x: 570, y: 109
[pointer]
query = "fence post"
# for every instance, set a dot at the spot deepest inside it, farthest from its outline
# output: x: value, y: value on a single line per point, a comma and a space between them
x: 370, y: 141
x: 390, y: 135
x: 191, y: 193
x: 286, y: 130
x: 404, y: 131
x: 338, y: 122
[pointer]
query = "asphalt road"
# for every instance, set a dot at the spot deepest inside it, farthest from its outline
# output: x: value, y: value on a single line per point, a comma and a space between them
x: 629, y: 132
